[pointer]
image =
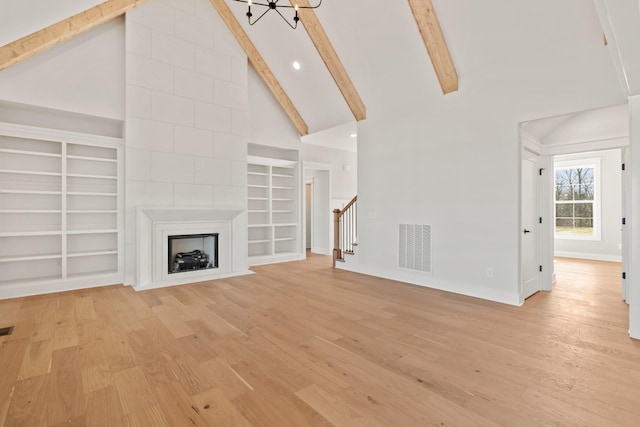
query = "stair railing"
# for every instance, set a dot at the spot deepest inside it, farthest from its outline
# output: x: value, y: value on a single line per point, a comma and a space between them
x: 344, y: 230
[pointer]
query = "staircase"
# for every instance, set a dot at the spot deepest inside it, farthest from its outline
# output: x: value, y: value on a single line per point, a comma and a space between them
x: 345, y: 229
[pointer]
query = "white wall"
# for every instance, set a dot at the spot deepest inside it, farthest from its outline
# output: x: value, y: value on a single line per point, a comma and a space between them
x: 186, y: 126
x: 344, y: 168
x: 269, y: 125
x: 84, y: 75
x: 608, y: 247
x: 19, y: 18
x: 453, y: 161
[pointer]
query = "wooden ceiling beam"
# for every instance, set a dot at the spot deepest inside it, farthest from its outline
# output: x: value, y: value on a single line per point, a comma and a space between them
x: 256, y: 60
x: 38, y: 42
x: 429, y: 26
x: 330, y: 58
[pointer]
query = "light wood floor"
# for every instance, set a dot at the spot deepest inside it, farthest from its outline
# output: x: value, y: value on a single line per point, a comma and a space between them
x: 303, y: 344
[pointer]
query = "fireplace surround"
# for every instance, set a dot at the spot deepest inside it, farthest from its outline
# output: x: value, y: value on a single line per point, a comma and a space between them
x: 154, y: 228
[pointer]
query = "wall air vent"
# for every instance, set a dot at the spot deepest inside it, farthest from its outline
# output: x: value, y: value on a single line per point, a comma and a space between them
x: 414, y: 252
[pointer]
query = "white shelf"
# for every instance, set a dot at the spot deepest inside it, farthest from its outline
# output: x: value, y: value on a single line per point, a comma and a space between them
x: 28, y: 211
x: 30, y: 233
x: 30, y: 258
x: 95, y: 253
x: 98, y: 231
x: 82, y: 175
x: 54, y: 193
x: 54, y: 163
x: 30, y: 153
x: 89, y: 211
x: 93, y: 159
x: 85, y: 193
x: 25, y: 172
x: 278, y: 179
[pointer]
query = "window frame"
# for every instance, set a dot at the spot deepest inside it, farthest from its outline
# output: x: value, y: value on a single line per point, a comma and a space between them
x: 594, y: 163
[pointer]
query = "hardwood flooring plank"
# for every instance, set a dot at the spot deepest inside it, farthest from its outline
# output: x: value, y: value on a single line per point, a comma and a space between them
x: 149, y: 416
x: 301, y: 343
x: 28, y: 406
x: 104, y: 408
x: 37, y: 359
x: 65, y: 397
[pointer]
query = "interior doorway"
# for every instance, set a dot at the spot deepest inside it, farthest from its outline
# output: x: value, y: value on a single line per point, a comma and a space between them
x: 308, y: 200
x: 601, y: 134
x: 317, y: 208
x: 531, y: 238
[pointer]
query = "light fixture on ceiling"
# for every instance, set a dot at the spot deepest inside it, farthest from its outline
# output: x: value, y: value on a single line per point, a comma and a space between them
x: 296, y: 65
x: 275, y: 5
x: 353, y: 135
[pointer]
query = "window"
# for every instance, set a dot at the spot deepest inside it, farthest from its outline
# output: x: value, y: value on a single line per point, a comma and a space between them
x: 577, y: 199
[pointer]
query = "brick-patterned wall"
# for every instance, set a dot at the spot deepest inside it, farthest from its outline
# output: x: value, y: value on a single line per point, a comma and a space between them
x: 186, y: 112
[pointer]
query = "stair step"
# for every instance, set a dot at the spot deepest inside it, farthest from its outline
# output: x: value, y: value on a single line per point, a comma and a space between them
x: 354, y: 244
x: 348, y: 252
x: 340, y: 260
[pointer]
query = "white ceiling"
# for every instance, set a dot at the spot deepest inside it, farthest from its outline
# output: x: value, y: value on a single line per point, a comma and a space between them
x: 593, y: 125
x: 491, y: 41
x: 381, y: 49
x: 19, y: 18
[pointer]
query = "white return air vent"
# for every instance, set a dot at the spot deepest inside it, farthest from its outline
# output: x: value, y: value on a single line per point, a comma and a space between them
x: 414, y: 252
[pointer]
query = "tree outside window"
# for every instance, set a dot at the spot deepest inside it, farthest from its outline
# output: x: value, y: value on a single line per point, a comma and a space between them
x: 574, y: 200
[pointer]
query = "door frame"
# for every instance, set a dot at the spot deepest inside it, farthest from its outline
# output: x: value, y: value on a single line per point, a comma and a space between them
x: 528, y: 150
x: 306, y: 167
x: 308, y: 181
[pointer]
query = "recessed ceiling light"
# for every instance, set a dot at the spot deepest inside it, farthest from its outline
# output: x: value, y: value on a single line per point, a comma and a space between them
x: 296, y: 65
x: 353, y: 135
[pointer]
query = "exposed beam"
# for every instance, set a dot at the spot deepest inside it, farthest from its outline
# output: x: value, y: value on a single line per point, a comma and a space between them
x: 35, y: 43
x: 328, y: 54
x: 256, y: 60
x: 425, y: 16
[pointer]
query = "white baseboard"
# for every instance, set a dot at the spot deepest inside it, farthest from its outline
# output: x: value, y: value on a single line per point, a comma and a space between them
x: 510, y: 298
x: 594, y: 257
x: 25, y: 289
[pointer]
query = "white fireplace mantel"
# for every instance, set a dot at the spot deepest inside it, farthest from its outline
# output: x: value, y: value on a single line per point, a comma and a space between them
x: 154, y: 224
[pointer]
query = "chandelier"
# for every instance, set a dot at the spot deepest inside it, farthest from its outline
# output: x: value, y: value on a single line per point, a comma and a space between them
x: 274, y: 5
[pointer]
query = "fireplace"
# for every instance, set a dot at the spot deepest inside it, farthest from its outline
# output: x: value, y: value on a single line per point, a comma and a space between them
x: 211, y: 244
x: 190, y: 252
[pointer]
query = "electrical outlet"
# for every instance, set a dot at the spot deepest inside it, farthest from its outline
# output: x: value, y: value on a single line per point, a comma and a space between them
x: 489, y: 271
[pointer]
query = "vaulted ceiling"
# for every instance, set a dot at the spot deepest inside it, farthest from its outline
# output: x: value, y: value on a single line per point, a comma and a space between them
x: 322, y: 92
x: 350, y: 50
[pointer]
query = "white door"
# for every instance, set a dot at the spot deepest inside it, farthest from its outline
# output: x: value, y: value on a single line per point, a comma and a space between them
x: 626, y: 232
x: 530, y: 249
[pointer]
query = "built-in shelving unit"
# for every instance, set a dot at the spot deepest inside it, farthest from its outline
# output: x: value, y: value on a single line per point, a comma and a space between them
x: 272, y: 210
x: 60, y: 206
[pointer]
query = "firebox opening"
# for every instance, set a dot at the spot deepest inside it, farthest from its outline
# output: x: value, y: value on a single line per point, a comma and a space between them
x: 191, y: 252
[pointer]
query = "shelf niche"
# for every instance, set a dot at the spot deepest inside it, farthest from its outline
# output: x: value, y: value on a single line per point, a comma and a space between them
x: 273, y: 205
x: 60, y: 210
